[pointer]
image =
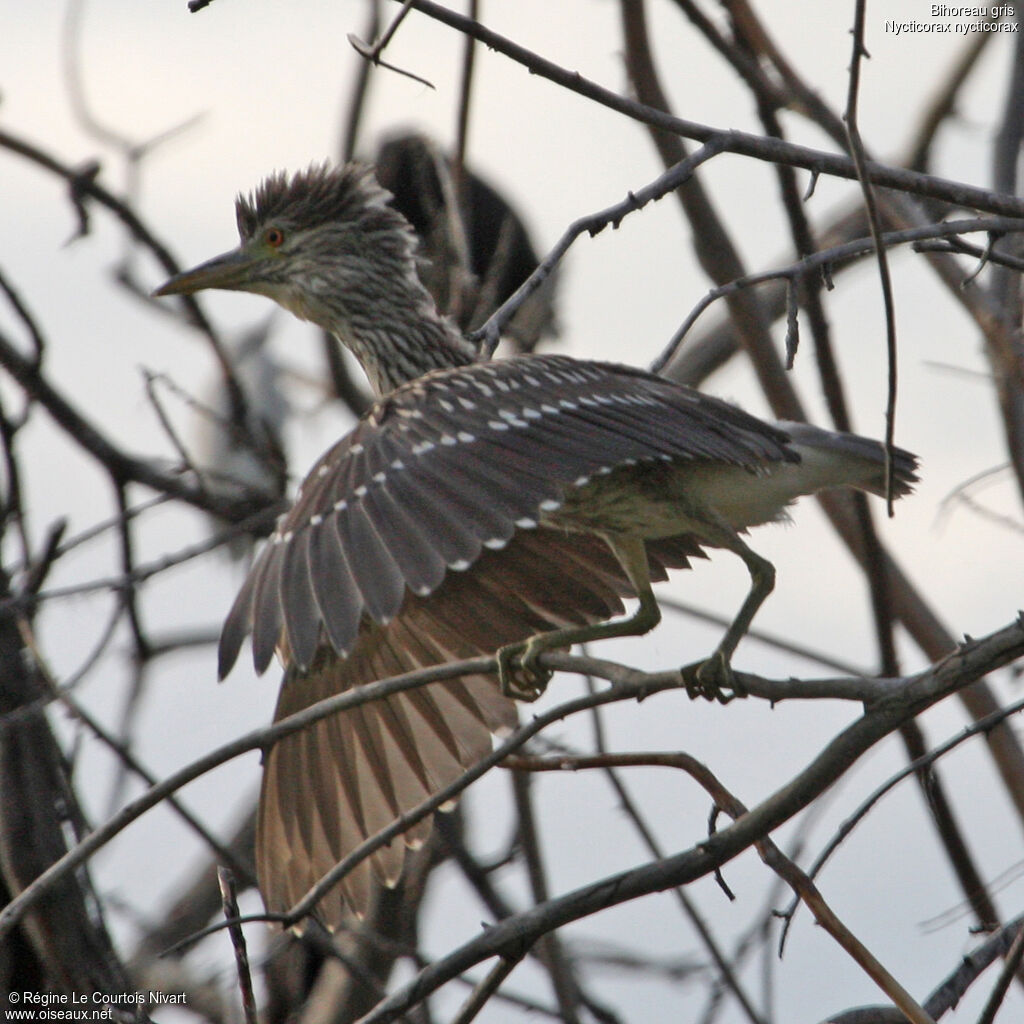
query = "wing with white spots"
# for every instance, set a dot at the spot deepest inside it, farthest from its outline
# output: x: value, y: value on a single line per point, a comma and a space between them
x: 453, y: 464
x: 330, y: 786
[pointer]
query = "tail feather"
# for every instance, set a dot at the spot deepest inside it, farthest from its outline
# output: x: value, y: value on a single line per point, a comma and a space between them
x: 851, y: 460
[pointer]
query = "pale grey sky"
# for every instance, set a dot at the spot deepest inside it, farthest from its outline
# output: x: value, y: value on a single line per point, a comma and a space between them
x: 268, y: 79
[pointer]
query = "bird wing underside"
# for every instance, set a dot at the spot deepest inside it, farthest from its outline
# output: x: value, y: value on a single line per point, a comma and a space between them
x: 453, y: 465
x: 328, y: 787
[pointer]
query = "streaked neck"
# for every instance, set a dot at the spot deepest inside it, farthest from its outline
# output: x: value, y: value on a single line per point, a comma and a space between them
x: 395, y: 331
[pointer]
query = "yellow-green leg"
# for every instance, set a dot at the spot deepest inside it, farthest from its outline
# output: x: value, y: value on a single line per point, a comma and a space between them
x: 520, y: 675
x: 715, y: 678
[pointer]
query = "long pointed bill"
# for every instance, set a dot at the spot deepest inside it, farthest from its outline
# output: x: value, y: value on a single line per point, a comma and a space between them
x: 234, y: 271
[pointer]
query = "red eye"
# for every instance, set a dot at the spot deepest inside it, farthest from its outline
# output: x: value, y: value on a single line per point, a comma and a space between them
x: 274, y: 237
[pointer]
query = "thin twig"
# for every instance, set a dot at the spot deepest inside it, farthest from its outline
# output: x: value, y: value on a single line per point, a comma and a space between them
x: 226, y: 881
x: 732, y: 141
x: 357, y: 93
x: 686, y: 866
x: 1002, y: 985
x: 851, y: 822
x: 372, y: 52
x: 815, y: 263
x: 489, y: 334
x: 726, y: 977
x: 550, y: 949
x: 875, y: 223
x: 462, y: 124
x: 484, y: 990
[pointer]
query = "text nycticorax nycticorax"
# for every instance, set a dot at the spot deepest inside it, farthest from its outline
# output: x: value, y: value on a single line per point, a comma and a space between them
x: 477, y: 507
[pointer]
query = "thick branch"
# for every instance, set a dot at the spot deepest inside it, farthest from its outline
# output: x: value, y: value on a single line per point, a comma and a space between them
x: 509, y: 938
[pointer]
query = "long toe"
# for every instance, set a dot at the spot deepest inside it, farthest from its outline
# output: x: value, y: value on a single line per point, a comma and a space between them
x: 520, y: 676
x: 715, y: 680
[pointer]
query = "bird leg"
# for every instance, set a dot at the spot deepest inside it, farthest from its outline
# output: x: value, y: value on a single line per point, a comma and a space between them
x: 523, y: 679
x: 715, y: 676
x: 520, y: 675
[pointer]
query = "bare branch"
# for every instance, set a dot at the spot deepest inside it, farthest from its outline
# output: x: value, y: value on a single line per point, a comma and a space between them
x: 742, y: 143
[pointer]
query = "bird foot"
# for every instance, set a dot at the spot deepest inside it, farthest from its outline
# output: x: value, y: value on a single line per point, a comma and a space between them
x: 713, y: 679
x: 520, y: 676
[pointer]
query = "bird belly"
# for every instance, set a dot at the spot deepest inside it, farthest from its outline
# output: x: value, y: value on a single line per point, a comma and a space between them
x: 741, y: 497
x: 643, y: 500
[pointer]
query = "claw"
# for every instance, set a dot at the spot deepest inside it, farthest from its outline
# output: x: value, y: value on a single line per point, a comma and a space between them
x: 518, y: 673
x: 713, y: 680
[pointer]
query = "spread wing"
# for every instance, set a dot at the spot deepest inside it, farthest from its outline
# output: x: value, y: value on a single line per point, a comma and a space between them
x: 366, y: 577
x: 452, y: 465
x: 327, y: 788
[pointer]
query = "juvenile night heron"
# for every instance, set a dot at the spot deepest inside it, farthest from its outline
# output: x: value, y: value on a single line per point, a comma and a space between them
x: 477, y: 507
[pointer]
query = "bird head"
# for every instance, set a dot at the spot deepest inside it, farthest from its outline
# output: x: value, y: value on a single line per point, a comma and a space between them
x: 323, y: 243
